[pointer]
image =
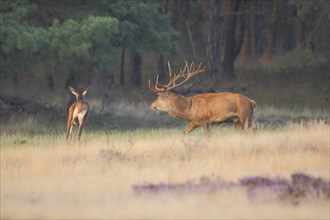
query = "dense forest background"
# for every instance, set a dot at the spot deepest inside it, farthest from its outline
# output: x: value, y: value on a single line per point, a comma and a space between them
x: 248, y: 46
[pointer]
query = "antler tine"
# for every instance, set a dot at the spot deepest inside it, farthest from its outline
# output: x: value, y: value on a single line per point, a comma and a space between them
x: 199, y: 69
x: 173, y: 77
x: 169, y: 69
x: 182, y: 73
x: 200, y: 65
x: 151, y: 87
x: 192, y: 66
x: 155, y: 88
x: 156, y: 85
x: 186, y: 66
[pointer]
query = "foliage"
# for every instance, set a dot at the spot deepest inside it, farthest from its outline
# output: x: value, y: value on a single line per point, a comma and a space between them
x: 80, y: 43
x: 308, y: 9
x: 68, y: 44
x: 74, y: 40
x: 82, y: 39
x: 143, y: 28
x: 315, y: 15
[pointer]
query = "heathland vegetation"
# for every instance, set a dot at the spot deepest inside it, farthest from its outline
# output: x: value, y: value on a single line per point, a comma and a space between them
x: 154, y: 173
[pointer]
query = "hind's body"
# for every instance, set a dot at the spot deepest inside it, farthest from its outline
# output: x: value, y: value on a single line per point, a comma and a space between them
x: 78, y: 113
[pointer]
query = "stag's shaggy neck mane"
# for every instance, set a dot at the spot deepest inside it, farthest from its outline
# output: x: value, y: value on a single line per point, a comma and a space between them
x: 180, y: 106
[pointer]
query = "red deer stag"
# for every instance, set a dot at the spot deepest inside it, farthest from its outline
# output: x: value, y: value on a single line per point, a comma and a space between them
x: 202, y: 109
x: 78, y: 113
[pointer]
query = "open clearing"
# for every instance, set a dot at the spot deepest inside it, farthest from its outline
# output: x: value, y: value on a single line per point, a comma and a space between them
x: 43, y: 177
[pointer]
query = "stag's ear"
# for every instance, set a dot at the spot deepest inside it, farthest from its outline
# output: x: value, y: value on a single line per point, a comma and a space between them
x: 73, y: 91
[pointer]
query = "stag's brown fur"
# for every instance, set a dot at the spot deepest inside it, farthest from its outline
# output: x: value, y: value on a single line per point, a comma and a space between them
x: 203, y: 109
x: 208, y: 108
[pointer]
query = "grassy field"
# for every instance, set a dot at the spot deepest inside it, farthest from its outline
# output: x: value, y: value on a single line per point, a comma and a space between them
x: 43, y: 177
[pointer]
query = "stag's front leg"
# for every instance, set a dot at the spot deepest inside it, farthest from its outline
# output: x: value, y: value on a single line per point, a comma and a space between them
x: 189, y: 128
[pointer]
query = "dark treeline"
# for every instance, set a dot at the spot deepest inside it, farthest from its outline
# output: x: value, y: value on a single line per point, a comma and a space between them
x: 107, y: 41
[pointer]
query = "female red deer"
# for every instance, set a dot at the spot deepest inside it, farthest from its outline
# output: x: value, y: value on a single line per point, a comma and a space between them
x: 78, y: 113
x: 202, y: 109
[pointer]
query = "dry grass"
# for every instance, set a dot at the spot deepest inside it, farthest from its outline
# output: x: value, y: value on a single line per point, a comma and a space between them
x: 43, y: 177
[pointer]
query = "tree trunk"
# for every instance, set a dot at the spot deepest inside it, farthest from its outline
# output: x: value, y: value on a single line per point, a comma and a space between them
x: 299, y: 35
x: 71, y: 80
x: 253, y: 29
x: 243, y: 53
x: 122, y: 67
x: 161, y: 67
x: 163, y: 9
x: 15, y: 80
x: 212, y: 11
x: 288, y: 27
x: 135, y: 74
x: 228, y: 70
x: 50, y: 81
x: 191, y: 41
x: 272, y: 31
x: 242, y: 35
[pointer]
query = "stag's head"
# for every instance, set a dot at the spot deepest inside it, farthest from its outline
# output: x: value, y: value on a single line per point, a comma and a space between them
x: 166, y: 99
x: 79, y: 94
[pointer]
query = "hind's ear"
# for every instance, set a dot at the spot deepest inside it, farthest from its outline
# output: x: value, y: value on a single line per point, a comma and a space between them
x: 85, y: 90
x: 73, y: 91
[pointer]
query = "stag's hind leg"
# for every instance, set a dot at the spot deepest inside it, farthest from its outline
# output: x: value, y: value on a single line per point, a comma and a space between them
x: 247, y: 122
x: 251, y: 124
x: 239, y: 122
x: 239, y: 125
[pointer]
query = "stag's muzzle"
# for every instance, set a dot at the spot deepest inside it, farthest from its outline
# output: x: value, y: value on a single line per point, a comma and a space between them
x: 153, y: 106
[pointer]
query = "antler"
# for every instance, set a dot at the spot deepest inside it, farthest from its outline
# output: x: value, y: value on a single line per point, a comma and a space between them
x: 155, y: 88
x: 185, y: 73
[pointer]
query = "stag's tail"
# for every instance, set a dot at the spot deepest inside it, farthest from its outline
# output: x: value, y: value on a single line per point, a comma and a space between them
x: 251, y: 118
x: 254, y: 104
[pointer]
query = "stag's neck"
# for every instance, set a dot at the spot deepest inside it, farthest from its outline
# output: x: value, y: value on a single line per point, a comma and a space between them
x: 181, y: 107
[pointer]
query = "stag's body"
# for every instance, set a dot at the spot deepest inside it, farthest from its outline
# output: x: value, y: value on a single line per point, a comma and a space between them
x: 78, y: 113
x: 208, y: 108
x: 203, y: 109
